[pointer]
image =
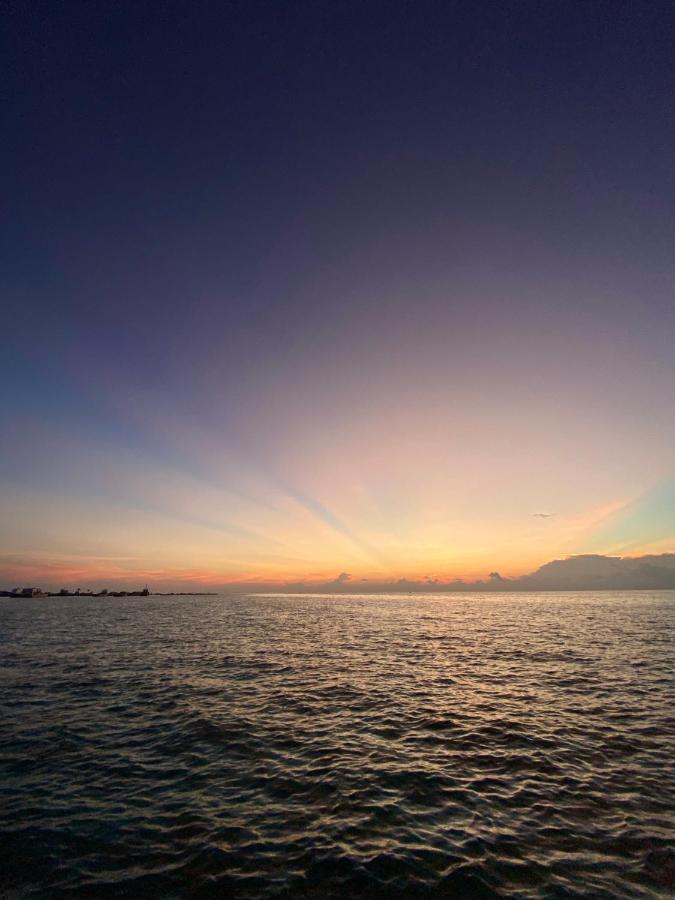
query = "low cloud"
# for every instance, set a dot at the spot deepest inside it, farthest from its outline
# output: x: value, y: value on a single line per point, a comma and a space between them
x: 578, y: 573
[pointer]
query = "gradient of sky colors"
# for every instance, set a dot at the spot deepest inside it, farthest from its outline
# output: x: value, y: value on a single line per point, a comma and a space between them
x: 296, y: 289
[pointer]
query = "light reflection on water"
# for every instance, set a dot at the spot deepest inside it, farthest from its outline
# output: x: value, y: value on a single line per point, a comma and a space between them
x: 458, y: 745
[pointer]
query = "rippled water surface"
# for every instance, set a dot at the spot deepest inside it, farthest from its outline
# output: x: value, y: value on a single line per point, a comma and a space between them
x: 463, y: 746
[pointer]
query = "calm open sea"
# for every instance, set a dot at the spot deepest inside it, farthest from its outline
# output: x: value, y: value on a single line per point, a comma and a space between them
x: 398, y: 746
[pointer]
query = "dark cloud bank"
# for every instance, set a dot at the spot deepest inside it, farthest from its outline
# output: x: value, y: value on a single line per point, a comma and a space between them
x: 577, y: 573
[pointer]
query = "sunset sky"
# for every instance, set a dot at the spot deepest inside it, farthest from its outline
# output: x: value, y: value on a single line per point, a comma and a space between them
x: 295, y: 289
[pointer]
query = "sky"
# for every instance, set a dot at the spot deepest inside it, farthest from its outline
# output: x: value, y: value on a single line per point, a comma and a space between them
x: 298, y: 289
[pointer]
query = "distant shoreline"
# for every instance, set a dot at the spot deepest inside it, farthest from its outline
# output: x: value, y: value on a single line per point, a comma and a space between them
x: 336, y: 595
x: 588, y: 572
x: 38, y: 594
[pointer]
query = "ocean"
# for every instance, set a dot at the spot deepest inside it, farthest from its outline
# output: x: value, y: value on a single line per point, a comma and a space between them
x: 469, y: 746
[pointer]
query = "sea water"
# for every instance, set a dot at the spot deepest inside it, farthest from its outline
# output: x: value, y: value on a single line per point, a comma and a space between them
x: 517, y: 745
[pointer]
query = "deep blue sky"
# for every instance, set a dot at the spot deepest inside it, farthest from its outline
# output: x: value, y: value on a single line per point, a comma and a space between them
x: 283, y: 220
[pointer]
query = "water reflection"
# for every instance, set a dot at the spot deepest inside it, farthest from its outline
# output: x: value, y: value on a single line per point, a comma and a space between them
x: 336, y: 746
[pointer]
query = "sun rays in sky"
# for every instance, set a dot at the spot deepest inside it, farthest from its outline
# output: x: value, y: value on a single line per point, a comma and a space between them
x: 411, y: 316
